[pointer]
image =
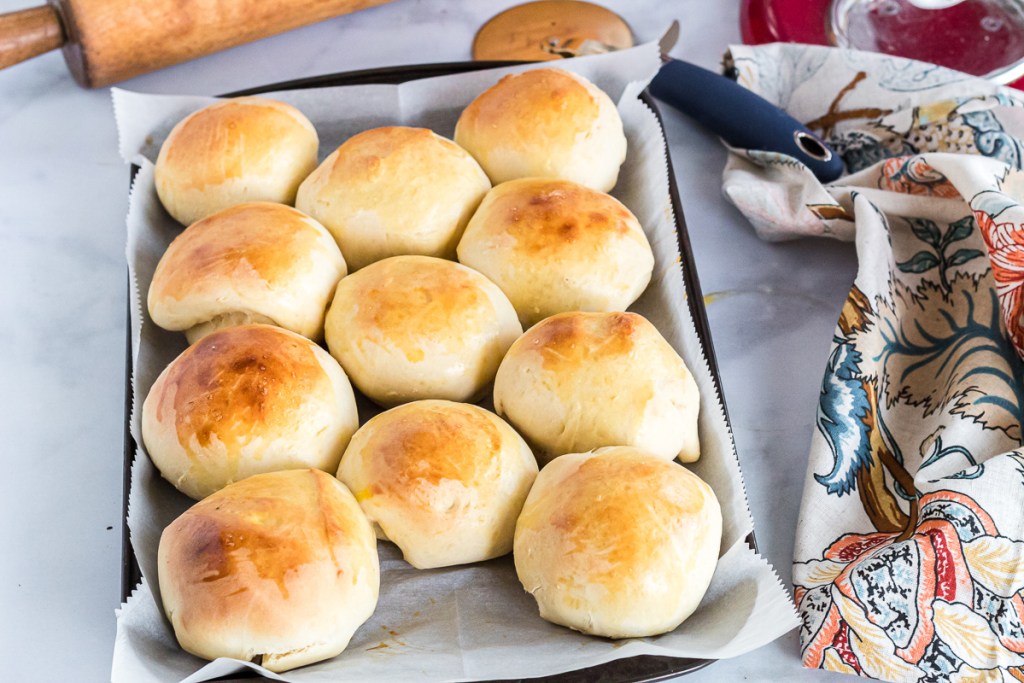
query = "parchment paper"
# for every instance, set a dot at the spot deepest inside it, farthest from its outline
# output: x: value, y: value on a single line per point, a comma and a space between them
x: 472, y: 622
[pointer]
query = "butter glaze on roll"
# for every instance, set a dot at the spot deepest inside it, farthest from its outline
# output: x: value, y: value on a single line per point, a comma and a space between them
x: 617, y: 542
x: 416, y: 327
x: 392, y: 191
x: 579, y: 381
x: 253, y: 263
x: 545, y: 123
x: 444, y: 481
x: 281, y: 567
x: 239, y: 150
x: 554, y: 246
x: 243, y: 401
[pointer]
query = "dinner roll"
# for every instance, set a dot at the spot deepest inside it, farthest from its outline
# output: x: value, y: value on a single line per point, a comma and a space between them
x: 252, y: 263
x: 392, y: 191
x: 415, y: 327
x: 246, y: 400
x: 579, y: 381
x: 239, y: 150
x: 617, y: 542
x: 554, y: 246
x: 280, y: 568
x: 443, y: 481
x: 545, y: 123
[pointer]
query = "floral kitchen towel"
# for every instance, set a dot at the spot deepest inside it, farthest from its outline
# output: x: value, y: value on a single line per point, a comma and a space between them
x: 909, y: 560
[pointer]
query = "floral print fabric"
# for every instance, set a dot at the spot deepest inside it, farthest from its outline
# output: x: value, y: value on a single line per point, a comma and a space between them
x: 909, y: 559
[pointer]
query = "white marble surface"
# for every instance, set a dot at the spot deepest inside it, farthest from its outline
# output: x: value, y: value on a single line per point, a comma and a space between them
x: 63, y: 196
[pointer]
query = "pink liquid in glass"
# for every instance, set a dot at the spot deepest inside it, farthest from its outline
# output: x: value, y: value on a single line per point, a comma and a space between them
x: 977, y: 36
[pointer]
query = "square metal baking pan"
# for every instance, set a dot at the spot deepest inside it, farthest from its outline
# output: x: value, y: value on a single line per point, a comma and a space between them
x: 629, y: 670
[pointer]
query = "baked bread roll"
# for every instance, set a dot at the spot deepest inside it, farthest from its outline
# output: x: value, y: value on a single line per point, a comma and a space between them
x: 392, y: 191
x: 617, y: 542
x: 444, y: 481
x: 280, y: 568
x: 246, y: 400
x: 239, y: 150
x: 416, y: 327
x: 545, y: 123
x: 251, y: 263
x: 579, y: 381
x: 554, y: 246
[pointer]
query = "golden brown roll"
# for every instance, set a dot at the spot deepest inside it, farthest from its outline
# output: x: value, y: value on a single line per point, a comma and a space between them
x: 392, y: 191
x: 252, y: 263
x: 280, y: 568
x: 554, y: 246
x: 246, y: 400
x: 545, y: 123
x: 618, y: 542
x: 239, y: 150
x: 416, y: 327
x: 579, y: 381
x: 443, y: 481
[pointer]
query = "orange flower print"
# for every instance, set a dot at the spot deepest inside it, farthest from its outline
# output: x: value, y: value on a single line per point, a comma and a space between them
x: 1005, y: 242
x: 911, y: 175
x: 939, y: 603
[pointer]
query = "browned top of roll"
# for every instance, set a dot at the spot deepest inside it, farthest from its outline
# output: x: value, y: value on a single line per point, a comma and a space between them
x: 569, y: 339
x: 444, y: 481
x: 259, y: 241
x: 578, y: 381
x: 232, y: 139
x: 281, y: 565
x: 552, y: 218
x: 375, y: 153
x: 215, y: 393
x: 617, y: 542
x: 426, y: 447
x: 647, y: 490
x: 546, y: 103
x: 239, y: 530
x: 435, y: 299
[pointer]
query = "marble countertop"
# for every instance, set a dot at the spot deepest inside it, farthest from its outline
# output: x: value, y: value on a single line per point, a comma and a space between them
x: 63, y: 198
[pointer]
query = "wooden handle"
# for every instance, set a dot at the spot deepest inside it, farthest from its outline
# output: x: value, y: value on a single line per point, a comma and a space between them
x: 111, y: 40
x: 28, y: 33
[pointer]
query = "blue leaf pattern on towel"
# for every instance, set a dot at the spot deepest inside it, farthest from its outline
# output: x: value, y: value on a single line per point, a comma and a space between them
x: 842, y: 409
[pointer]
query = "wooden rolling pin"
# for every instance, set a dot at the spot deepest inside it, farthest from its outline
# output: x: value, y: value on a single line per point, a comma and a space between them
x: 105, y: 41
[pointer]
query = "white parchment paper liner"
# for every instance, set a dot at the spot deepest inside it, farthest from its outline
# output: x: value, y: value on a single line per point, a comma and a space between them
x: 472, y: 622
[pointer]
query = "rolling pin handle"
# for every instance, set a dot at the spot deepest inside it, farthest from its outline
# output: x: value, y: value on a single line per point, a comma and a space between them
x: 27, y: 33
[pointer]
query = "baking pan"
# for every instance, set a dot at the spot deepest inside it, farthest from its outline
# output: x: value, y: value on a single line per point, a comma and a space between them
x: 630, y: 670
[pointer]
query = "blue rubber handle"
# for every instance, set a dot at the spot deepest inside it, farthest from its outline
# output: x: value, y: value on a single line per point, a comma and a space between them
x: 741, y: 118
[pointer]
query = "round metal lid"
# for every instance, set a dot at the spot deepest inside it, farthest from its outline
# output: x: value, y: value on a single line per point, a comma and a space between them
x: 551, y: 29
